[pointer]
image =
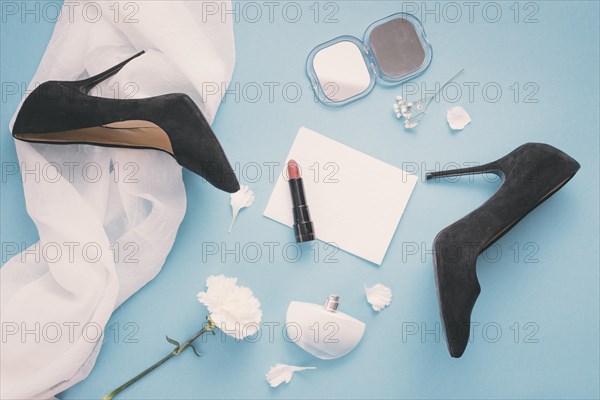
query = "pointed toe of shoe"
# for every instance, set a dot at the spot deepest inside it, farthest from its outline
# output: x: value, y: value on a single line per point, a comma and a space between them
x: 219, y: 174
x: 457, y: 325
x: 228, y: 185
x: 458, y: 289
x: 458, y: 345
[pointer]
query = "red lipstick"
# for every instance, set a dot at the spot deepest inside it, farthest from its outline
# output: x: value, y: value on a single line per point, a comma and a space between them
x: 293, y: 170
x: 303, y: 226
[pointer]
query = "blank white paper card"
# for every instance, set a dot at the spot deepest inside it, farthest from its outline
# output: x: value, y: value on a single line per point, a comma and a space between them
x: 355, y: 200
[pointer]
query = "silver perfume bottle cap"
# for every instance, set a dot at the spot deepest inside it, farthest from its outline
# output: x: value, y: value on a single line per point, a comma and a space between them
x: 332, y: 303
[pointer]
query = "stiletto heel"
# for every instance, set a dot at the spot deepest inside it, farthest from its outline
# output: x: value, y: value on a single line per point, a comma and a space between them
x: 531, y: 174
x: 480, y: 169
x: 87, y: 84
x: 62, y: 112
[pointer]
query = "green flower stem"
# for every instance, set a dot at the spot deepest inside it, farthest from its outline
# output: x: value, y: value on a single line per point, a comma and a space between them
x: 209, y: 327
x: 427, y: 102
x: 443, y: 86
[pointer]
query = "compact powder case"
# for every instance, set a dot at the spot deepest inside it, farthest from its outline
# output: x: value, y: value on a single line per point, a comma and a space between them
x: 345, y: 69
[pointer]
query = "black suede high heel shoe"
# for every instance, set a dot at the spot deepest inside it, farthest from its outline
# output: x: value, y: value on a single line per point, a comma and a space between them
x: 64, y: 112
x: 531, y: 174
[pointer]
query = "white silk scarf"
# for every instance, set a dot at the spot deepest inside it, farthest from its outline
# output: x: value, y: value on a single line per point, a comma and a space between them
x: 106, y: 217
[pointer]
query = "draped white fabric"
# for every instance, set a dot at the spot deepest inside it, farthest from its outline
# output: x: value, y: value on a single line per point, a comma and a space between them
x: 107, y: 217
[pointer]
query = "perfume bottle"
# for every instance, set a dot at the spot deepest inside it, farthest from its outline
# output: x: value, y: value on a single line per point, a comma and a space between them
x: 323, y: 331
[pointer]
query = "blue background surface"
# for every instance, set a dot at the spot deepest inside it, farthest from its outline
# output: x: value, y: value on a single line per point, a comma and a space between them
x: 541, y: 280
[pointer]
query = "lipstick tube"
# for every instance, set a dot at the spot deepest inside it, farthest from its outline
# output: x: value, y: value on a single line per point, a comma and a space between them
x: 303, y: 226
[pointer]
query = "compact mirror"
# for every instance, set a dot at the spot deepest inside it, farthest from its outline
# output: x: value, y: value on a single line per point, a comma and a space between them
x: 345, y: 69
x: 341, y: 70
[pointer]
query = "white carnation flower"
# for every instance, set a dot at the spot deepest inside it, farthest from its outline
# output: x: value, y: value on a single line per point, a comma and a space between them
x: 232, y: 308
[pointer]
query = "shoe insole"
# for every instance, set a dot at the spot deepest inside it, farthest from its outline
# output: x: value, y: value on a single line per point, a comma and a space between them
x: 133, y: 133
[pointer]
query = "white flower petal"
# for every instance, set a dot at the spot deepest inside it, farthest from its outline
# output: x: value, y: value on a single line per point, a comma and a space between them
x: 457, y: 118
x: 378, y: 296
x: 241, y: 199
x: 283, y: 373
x: 233, y: 308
